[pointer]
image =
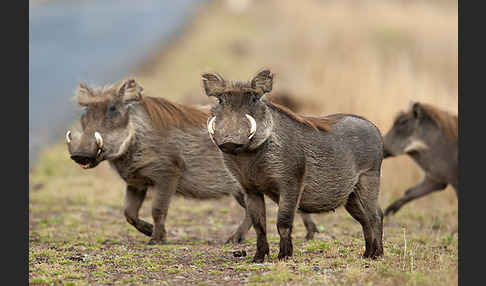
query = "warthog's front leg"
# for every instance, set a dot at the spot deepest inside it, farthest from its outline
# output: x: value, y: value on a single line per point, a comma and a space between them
x: 160, y: 206
x: 256, y: 208
x: 424, y: 188
x: 289, y: 199
x: 133, y: 201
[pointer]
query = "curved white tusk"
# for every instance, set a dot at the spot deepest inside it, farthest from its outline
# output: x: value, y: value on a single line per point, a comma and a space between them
x: 211, y: 125
x: 68, y: 136
x: 252, y: 125
x: 99, y: 139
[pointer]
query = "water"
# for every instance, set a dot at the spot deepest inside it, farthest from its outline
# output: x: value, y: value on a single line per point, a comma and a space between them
x: 88, y: 40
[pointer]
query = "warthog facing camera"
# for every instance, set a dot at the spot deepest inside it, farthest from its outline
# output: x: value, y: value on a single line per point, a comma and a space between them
x: 311, y: 164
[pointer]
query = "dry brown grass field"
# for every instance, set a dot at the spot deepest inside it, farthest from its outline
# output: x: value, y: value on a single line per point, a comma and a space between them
x: 370, y: 58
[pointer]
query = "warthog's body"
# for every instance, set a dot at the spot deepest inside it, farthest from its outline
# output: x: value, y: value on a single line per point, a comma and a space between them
x: 313, y: 164
x: 429, y: 136
x: 153, y: 143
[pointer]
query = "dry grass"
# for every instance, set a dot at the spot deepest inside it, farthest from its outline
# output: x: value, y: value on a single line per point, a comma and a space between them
x: 365, y: 57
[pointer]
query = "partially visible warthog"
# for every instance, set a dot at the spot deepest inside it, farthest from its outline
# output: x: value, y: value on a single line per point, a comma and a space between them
x: 429, y: 136
x: 311, y: 164
x: 153, y: 143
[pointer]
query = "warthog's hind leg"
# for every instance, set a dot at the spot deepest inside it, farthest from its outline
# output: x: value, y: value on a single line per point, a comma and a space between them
x: 363, y: 206
x: 239, y: 235
x: 424, y: 188
x: 309, y: 224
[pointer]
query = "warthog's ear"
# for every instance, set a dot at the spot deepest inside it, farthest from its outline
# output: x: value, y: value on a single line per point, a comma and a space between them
x: 83, y: 95
x: 263, y: 80
x: 130, y: 89
x: 212, y: 83
x: 417, y: 110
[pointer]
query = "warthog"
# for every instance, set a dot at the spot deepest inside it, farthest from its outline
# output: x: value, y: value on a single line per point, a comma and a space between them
x: 312, y: 164
x: 429, y: 136
x: 153, y: 143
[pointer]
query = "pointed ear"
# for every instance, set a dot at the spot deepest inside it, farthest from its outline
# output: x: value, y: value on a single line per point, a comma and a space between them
x: 212, y: 83
x: 417, y: 110
x: 263, y: 80
x: 83, y: 88
x: 83, y: 94
x: 130, y: 89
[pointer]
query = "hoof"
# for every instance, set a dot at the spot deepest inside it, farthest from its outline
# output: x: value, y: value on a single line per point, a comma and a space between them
x: 390, y: 211
x: 310, y: 236
x: 235, y: 239
x: 283, y: 255
x: 259, y: 257
x: 393, y: 208
x: 375, y: 254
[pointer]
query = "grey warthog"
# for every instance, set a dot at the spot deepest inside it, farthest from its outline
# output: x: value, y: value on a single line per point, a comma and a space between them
x: 310, y: 164
x: 153, y: 143
x: 429, y: 136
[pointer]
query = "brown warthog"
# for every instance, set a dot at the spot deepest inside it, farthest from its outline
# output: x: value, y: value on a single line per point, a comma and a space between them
x: 429, y: 136
x: 313, y: 164
x: 153, y: 143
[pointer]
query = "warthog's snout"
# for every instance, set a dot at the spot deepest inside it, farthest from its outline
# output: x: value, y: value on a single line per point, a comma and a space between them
x: 386, y: 154
x: 232, y: 148
x: 84, y: 150
x: 84, y: 159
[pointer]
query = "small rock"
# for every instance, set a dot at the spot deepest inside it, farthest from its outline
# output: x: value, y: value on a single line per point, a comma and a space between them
x: 76, y: 258
x: 316, y: 268
x: 239, y: 253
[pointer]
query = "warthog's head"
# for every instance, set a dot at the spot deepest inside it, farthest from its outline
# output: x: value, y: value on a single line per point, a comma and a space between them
x: 241, y: 121
x: 412, y: 131
x: 105, y: 127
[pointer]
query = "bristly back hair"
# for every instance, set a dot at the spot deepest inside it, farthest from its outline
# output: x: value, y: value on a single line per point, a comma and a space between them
x: 162, y: 113
x: 165, y: 114
x: 317, y: 123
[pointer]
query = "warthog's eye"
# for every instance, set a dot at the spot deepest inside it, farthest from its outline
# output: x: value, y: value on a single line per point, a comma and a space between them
x: 112, y: 111
x: 401, y: 122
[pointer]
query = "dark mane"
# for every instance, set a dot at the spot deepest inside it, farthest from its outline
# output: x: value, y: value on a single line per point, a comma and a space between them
x: 446, y: 121
x: 317, y: 123
x: 166, y: 114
